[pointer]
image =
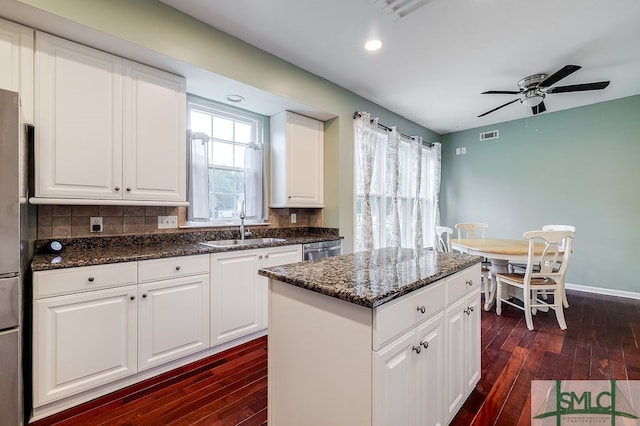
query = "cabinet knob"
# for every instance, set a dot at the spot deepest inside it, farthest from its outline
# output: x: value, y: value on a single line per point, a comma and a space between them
x: 144, y: 296
x: 422, y: 309
x: 266, y: 256
x: 132, y: 298
x: 425, y: 344
x: 468, y: 310
x: 117, y: 188
x: 177, y: 268
x: 289, y: 196
x: 91, y: 279
x: 260, y: 257
x: 417, y: 349
x: 470, y: 283
x: 128, y: 189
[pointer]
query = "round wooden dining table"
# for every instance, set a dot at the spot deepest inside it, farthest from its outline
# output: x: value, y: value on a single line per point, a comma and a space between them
x: 499, y: 252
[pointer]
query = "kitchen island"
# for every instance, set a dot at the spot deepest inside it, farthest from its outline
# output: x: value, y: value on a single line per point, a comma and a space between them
x: 385, y: 337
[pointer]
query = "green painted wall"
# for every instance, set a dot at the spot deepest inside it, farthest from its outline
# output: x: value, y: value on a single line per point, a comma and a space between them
x: 578, y: 167
x: 160, y: 28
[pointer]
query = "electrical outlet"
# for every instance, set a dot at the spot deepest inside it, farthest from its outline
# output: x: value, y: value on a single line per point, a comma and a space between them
x: 293, y: 218
x: 167, y: 222
x: 95, y: 224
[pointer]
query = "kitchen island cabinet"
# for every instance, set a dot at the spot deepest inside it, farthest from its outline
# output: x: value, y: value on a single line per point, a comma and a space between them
x: 363, y: 339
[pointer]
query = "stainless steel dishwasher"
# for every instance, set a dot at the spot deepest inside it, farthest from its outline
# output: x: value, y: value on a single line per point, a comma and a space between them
x: 319, y: 250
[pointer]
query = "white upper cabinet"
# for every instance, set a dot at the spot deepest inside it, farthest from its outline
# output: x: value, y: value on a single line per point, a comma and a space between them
x: 297, y: 161
x: 108, y: 129
x: 16, y: 64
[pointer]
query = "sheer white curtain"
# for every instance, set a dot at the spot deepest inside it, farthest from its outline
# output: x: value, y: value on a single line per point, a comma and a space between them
x: 366, y: 129
x: 254, y: 184
x: 434, y: 180
x: 393, y: 175
x: 416, y: 155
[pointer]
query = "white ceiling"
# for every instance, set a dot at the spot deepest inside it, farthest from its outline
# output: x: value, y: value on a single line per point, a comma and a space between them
x: 436, y: 61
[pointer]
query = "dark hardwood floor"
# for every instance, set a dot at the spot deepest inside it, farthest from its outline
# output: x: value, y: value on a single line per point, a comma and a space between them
x: 602, y: 342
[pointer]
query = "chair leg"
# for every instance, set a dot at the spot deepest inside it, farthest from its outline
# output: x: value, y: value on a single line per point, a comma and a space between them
x: 557, y: 297
x: 527, y: 308
x: 565, y: 302
x: 498, y: 298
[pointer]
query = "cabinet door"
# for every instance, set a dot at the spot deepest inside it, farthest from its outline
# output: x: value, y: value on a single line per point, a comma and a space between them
x: 431, y: 368
x: 456, y: 384
x: 305, y: 161
x: 472, y: 339
x: 395, y: 382
x: 78, y: 112
x: 173, y: 319
x: 16, y: 64
x: 236, y: 295
x: 275, y: 257
x: 155, y: 136
x: 83, y: 340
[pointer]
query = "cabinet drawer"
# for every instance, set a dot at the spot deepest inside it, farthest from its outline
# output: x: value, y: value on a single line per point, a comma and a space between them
x: 86, y: 278
x: 173, y: 267
x: 462, y: 283
x: 394, y: 317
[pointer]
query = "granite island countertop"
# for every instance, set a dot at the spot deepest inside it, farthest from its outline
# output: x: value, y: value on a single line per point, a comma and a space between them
x: 372, y: 278
x: 105, y: 250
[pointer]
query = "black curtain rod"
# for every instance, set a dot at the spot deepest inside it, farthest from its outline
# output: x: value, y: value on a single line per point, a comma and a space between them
x: 382, y: 126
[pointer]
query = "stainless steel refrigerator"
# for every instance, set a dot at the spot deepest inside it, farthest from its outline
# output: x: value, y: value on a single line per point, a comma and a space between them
x: 13, y: 253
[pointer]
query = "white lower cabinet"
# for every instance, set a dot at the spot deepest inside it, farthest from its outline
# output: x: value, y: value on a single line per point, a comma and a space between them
x: 239, y: 294
x: 82, y: 341
x: 173, y: 319
x: 409, y: 377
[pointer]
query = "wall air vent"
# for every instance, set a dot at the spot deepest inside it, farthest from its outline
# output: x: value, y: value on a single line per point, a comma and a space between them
x: 398, y: 9
x: 493, y: 134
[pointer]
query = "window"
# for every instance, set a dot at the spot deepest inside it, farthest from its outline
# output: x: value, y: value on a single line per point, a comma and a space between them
x: 381, y: 199
x: 226, y: 163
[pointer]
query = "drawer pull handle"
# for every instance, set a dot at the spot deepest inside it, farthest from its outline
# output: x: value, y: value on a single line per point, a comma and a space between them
x: 132, y: 298
x: 422, y: 309
x: 470, y: 283
x: 117, y: 188
x: 177, y: 268
x: 144, y: 296
x: 417, y: 349
x: 425, y: 344
x: 128, y: 189
x: 90, y: 279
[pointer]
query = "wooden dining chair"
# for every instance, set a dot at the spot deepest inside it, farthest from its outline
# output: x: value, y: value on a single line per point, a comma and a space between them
x: 549, y: 279
x: 444, y: 239
x: 520, y: 267
x: 476, y: 230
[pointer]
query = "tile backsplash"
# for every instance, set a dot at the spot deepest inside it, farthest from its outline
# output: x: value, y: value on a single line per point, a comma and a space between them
x: 62, y: 221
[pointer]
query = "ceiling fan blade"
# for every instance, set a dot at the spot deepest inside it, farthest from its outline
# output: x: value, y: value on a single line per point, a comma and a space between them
x: 501, y: 106
x: 500, y: 92
x: 559, y: 75
x: 579, y: 87
x: 538, y: 108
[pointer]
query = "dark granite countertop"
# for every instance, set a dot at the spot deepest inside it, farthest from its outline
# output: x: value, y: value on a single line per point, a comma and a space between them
x: 104, y: 250
x: 372, y: 278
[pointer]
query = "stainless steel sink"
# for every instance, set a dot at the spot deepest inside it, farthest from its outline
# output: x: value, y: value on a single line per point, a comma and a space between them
x: 227, y: 243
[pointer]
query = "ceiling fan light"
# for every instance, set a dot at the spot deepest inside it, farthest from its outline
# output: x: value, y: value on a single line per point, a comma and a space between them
x: 533, y: 99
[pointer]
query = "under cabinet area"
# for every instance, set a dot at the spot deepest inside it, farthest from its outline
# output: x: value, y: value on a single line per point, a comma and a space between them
x: 238, y: 294
x: 108, y: 129
x: 297, y: 161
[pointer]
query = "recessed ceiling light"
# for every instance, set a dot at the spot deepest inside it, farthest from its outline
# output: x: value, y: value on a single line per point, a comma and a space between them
x: 235, y: 98
x: 373, y: 45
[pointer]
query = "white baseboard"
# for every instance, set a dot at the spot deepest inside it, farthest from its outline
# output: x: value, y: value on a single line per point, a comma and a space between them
x: 600, y: 290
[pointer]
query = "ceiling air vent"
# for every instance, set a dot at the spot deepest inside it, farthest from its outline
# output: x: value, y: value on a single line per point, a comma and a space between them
x: 493, y: 134
x: 400, y: 8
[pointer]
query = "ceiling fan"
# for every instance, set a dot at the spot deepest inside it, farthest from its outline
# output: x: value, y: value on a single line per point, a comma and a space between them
x: 534, y: 88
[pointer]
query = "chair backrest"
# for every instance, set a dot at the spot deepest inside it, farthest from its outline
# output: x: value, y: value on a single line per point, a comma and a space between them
x: 553, y: 261
x: 444, y: 236
x: 471, y: 230
x: 560, y: 228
